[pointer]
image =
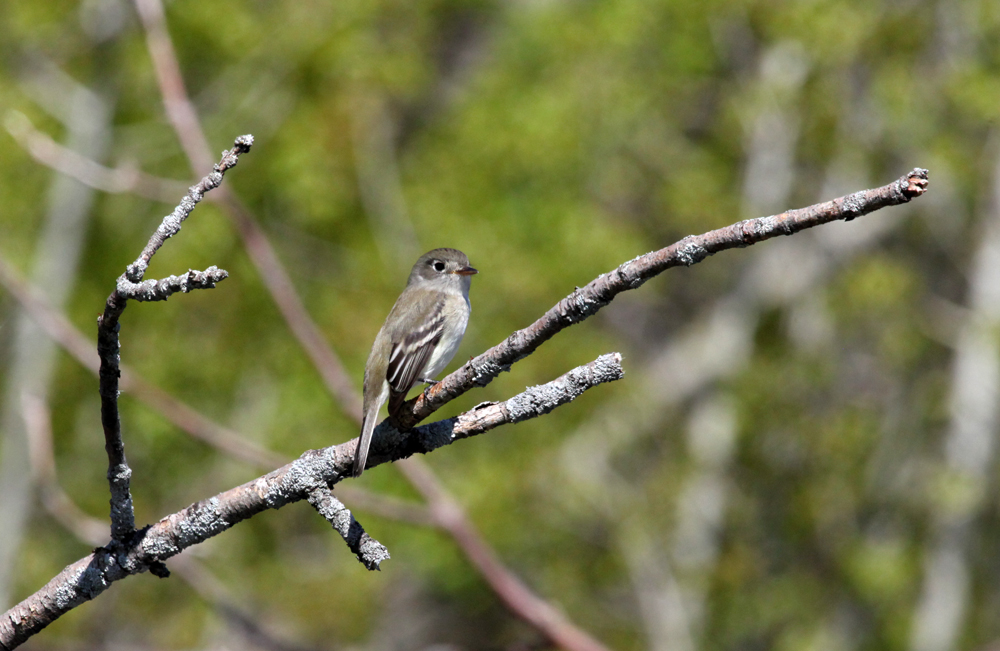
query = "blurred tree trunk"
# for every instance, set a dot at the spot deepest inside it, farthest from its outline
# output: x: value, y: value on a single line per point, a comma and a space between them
x: 87, y: 119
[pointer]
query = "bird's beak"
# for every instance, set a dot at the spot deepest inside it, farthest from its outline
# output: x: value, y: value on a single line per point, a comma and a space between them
x: 467, y: 271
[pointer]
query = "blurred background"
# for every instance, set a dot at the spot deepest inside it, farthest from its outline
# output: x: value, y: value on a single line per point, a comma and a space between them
x: 802, y: 454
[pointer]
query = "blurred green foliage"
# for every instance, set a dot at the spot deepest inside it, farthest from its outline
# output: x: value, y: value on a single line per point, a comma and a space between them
x: 550, y: 140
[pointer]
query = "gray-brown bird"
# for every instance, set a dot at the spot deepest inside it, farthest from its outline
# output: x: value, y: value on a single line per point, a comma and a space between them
x: 419, y: 337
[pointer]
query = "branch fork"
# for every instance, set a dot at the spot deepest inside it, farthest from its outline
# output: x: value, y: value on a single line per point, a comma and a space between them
x: 160, y: 290
x: 130, y: 285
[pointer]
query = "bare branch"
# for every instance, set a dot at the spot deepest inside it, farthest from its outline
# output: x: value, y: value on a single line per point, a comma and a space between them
x: 93, y: 532
x: 160, y: 290
x: 282, y: 290
x: 369, y: 551
x: 515, y: 595
x: 92, y: 575
x: 178, y: 107
x: 62, y: 159
x: 171, y: 224
x: 119, y: 474
x: 59, y: 328
x: 43, y: 470
x: 391, y: 444
x: 584, y: 303
x: 130, y: 286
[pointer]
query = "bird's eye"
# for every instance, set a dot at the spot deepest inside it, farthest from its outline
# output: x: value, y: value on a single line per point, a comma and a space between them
x: 438, y: 265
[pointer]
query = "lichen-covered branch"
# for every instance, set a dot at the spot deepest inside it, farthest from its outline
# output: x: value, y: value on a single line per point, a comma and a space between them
x: 119, y: 474
x: 160, y: 290
x: 369, y: 551
x: 315, y: 469
x: 587, y: 301
x: 130, y: 285
x: 171, y: 224
x: 278, y: 283
x: 391, y: 444
x: 93, y: 531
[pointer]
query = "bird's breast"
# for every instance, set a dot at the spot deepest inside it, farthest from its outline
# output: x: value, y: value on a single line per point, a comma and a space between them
x: 451, y: 338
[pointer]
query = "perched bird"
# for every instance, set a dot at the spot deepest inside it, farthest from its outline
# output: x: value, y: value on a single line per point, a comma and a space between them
x: 419, y: 337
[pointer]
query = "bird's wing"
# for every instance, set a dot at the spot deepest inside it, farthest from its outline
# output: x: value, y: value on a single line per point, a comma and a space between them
x: 411, y: 351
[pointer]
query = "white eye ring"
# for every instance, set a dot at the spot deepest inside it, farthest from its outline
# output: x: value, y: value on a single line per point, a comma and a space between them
x: 438, y: 265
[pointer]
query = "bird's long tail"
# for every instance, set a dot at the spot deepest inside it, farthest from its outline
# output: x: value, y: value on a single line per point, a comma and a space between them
x: 361, y: 453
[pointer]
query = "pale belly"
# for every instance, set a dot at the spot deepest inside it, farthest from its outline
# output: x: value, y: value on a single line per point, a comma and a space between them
x: 446, y: 348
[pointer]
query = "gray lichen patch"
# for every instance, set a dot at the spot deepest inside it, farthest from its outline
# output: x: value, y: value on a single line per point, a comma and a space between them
x: 691, y: 252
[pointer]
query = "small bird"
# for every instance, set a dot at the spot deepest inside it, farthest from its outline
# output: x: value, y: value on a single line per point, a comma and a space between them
x: 419, y: 337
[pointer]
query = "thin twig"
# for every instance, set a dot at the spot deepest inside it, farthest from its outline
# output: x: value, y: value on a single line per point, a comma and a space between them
x: 131, y: 285
x: 43, y: 468
x: 180, y: 111
x: 279, y: 285
x: 92, y: 575
x: 369, y: 551
x: 53, y: 155
x: 513, y: 592
x: 584, y: 303
x: 171, y: 224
